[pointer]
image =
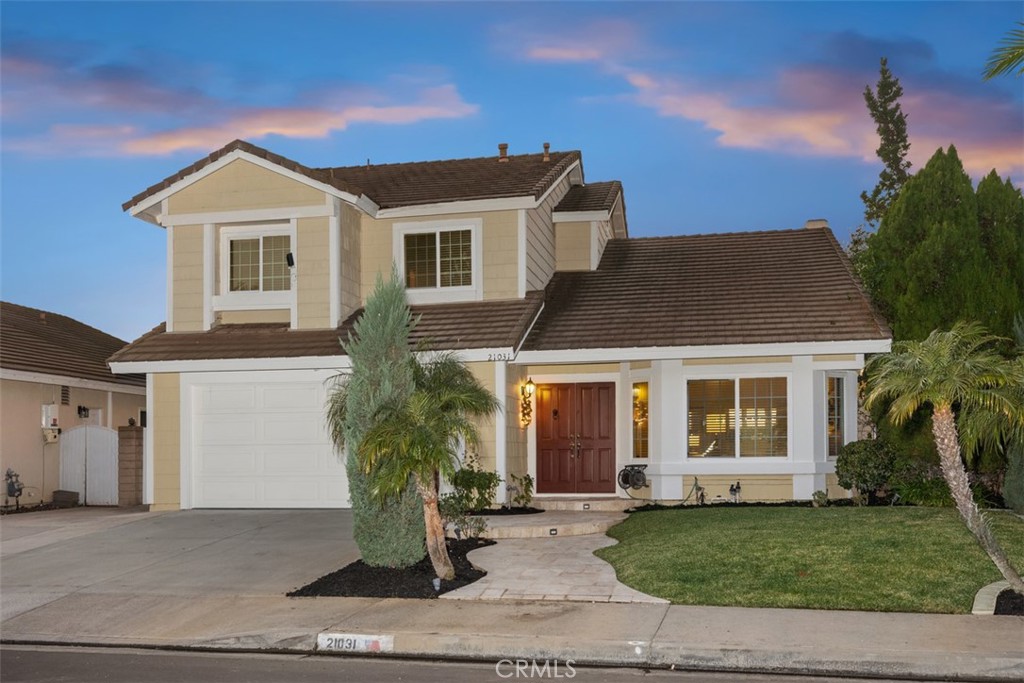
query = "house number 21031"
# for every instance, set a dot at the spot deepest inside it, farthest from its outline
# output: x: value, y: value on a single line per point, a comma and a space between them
x: 499, y: 356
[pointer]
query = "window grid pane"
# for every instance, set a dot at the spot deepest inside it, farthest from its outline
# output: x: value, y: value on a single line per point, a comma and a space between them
x: 712, y: 418
x: 276, y: 277
x: 456, y: 258
x: 245, y: 265
x: 835, y: 415
x: 640, y: 420
x: 421, y: 260
x: 763, y: 417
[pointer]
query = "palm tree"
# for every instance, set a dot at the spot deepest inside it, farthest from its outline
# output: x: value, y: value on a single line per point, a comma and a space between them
x: 420, y: 437
x: 1009, y: 56
x: 960, y: 371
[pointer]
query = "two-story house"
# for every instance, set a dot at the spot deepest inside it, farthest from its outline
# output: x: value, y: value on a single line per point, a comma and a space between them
x: 728, y: 357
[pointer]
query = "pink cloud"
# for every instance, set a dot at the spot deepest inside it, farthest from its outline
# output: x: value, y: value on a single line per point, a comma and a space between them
x: 603, y: 40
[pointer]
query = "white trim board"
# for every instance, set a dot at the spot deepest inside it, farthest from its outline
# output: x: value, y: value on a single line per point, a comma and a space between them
x: 614, y: 355
x: 64, y: 380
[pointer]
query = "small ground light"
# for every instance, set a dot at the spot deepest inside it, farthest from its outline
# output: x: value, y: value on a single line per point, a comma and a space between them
x: 437, y: 585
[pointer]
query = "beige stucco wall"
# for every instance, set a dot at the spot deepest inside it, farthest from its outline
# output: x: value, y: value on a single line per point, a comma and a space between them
x: 279, y: 315
x: 760, y: 487
x: 573, y: 369
x: 516, y: 434
x: 572, y: 245
x: 21, y: 438
x: 834, y: 489
x: 165, y: 428
x: 351, y: 268
x: 484, y: 372
x: 499, y: 245
x: 242, y: 185
x: 188, y: 278
x: 738, y: 361
x: 821, y: 358
x: 313, y: 266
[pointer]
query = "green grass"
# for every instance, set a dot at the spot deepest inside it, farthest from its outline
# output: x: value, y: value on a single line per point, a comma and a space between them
x: 889, y: 559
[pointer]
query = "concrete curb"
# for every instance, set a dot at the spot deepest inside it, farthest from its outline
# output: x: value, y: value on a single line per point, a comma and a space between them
x: 985, y: 600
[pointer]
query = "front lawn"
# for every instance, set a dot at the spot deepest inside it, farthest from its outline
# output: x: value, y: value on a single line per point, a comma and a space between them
x: 892, y: 559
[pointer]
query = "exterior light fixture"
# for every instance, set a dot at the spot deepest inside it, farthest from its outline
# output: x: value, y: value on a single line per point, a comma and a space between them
x: 526, y: 406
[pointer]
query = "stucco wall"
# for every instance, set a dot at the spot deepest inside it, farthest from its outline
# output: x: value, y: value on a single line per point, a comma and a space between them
x: 188, y: 278
x: 755, y: 488
x: 572, y: 245
x: 484, y: 372
x: 313, y: 266
x: 351, y: 268
x: 165, y: 428
x: 242, y: 185
x: 280, y: 315
x: 21, y: 439
x: 516, y: 434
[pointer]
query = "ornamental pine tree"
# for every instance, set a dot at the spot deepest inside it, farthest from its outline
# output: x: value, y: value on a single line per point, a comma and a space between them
x: 1001, y: 225
x: 389, y: 531
x: 891, y: 124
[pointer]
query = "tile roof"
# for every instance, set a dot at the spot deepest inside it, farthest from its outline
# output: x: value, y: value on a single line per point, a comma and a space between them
x: 737, y: 288
x: 480, y: 324
x: 38, y: 341
x: 406, y: 184
x: 591, y: 197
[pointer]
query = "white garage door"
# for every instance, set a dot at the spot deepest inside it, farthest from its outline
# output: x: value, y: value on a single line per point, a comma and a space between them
x: 263, y: 444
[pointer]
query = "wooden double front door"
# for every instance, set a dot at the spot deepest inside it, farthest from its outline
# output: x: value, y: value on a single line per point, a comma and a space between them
x: 576, y: 438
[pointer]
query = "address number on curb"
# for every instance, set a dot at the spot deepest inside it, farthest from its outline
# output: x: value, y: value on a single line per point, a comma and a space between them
x: 354, y: 642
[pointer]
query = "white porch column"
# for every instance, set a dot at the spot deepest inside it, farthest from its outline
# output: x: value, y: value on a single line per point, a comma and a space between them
x: 806, y: 395
x: 147, y: 445
x: 667, y: 418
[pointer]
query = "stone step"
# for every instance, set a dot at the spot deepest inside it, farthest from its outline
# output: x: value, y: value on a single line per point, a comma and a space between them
x: 551, y: 523
x: 587, y: 504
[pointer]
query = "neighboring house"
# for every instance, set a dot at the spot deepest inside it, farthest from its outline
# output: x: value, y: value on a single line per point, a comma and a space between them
x: 54, y: 376
x: 730, y: 357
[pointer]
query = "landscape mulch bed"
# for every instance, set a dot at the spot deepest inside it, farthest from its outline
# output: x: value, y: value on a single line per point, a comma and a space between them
x: 493, y: 512
x: 12, y: 510
x: 359, y: 580
x: 1010, y: 602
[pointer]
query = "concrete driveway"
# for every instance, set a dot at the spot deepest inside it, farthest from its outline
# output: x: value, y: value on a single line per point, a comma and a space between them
x: 47, y: 556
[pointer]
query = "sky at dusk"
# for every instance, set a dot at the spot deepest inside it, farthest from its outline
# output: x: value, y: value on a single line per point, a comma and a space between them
x: 715, y: 116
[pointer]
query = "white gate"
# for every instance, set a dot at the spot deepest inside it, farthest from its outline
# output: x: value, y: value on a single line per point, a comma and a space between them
x: 88, y: 464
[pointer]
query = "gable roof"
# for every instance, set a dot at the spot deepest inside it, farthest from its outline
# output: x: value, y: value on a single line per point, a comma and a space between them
x: 38, y: 341
x: 458, y: 326
x: 590, y: 197
x: 407, y: 184
x: 735, y: 288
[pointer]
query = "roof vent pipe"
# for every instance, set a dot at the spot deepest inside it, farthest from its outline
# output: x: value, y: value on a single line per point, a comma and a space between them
x: 816, y: 223
x: 503, y: 151
x: 547, y: 151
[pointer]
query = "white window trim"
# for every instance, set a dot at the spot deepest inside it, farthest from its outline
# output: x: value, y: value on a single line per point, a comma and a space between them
x: 435, y: 295
x: 635, y: 378
x: 736, y: 377
x: 828, y: 377
x: 227, y: 300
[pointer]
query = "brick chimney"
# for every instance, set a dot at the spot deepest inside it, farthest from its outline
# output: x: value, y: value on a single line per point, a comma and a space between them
x: 547, y: 151
x: 503, y: 151
x: 816, y: 223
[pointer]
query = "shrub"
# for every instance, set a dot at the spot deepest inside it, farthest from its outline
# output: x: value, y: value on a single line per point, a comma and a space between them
x: 820, y: 499
x: 476, y: 488
x: 1013, y: 484
x: 866, y: 466
x: 523, y: 490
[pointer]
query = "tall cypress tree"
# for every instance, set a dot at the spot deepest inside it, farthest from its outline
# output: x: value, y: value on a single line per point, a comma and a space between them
x: 927, y: 267
x: 389, y: 533
x: 891, y: 124
x: 1001, y: 223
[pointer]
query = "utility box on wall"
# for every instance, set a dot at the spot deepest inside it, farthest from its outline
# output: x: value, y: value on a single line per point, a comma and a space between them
x: 51, y: 418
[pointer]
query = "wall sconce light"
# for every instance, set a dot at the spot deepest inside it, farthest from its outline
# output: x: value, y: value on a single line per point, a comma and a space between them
x: 83, y: 412
x: 526, y: 406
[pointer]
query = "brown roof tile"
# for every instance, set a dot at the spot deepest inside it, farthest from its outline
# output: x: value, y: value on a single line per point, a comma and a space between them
x: 32, y: 340
x: 737, y: 288
x: 591, y: 197
x: 483, y: 324
x: 424, y: 182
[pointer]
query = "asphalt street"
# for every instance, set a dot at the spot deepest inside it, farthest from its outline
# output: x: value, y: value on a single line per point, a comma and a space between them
x: 24, y: 664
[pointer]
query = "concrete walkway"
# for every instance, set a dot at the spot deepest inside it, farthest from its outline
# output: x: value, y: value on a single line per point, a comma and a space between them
x: 558, y: 568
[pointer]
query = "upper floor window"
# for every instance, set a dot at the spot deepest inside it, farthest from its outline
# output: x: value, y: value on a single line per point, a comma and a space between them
x: 259, y: 264
x: 440, y: 260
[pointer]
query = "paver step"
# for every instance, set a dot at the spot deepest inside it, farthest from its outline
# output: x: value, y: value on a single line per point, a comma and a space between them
x: 551, y: 523
x: 586, y: 504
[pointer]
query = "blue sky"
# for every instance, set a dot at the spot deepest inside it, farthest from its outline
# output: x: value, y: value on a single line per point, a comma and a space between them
x: 715, y: 116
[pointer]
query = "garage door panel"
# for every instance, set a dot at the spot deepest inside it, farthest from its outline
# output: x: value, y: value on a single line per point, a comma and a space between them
x: 264, y: 445
x: 293, y: 429
x: 228, y: 399
x: 292, y: 398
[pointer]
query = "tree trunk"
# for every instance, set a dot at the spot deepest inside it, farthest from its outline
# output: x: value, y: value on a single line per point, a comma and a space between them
x: 948, y: 445
x: 436, y: 548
